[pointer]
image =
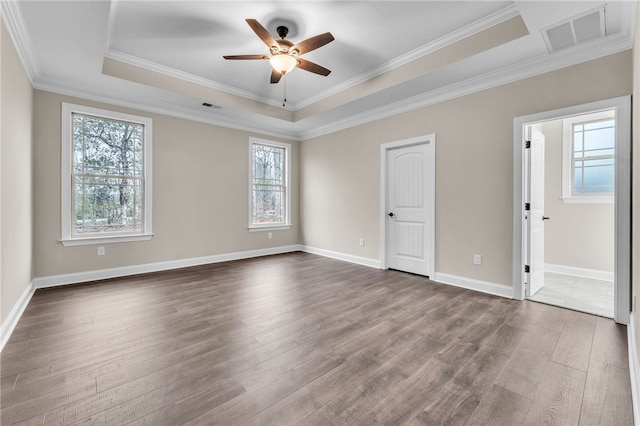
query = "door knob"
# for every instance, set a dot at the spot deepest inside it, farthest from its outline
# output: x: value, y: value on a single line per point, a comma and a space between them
x: 545, y: 218
x: 391, y: 214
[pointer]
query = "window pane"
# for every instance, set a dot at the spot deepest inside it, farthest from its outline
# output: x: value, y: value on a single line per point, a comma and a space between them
x: 594, y: 179
x: 577, y: 141
x: 268, y: 164
x: 602, y: 176
x: 107, y: 205
x: 268, y: 204
x: 102, y: 146
x: 599, y: 139
x: 600, y: 124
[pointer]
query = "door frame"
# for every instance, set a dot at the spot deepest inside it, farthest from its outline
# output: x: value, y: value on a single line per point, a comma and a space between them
x: 622, y: 204
x: 430, y: 141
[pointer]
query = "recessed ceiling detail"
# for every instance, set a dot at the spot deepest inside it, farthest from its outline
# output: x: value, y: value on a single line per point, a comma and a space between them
x: 579, y: 29
x: 388, y: 57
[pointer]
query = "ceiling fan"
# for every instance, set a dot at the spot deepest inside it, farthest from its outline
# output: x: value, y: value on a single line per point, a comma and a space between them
x: 284, y: 54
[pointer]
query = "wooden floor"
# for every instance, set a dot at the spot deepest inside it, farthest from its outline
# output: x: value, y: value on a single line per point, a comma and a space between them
x: 301, y: 339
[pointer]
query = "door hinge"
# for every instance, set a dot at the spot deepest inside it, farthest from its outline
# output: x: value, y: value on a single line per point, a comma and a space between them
x: 527, y: 206
x: 527, y: 144
x: 526, y: 269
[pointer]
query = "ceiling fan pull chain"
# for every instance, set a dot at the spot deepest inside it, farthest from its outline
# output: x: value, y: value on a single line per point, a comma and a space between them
x: 284, y: 91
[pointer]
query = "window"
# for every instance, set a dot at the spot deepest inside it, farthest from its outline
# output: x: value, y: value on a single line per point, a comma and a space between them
x: 589, y: 158
x: 106, y: 176
x: 269, y: 195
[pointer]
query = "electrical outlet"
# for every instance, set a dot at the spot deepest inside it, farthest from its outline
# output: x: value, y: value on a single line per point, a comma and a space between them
x: 477, y: 259
x: 101, y: 251
x: 269, y: 235
x: 361, y: 242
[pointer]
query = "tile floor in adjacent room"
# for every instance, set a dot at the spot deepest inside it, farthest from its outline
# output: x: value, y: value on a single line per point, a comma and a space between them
x: 581, y: 294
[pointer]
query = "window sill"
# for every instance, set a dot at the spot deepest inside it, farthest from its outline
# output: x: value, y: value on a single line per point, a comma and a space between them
x: 588, y: 200
x: 105, y: 240
x: 268, y: 228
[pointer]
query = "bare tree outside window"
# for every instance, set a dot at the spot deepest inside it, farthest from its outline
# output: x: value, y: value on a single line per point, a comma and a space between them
x: 269, y: 185
x: 107, y: 175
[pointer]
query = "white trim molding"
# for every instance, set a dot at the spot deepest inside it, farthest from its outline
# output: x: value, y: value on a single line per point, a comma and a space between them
x: 102, y: 274
x: 473, y: 284
x: 622, y: 279
x: 67, y: 212
x: 634, y: 369
x: 594, y: 274
x: 365, y: 261
x: 12, y: 319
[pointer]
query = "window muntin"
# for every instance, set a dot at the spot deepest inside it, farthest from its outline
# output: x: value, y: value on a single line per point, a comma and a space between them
x: 588, y: 165
x: 593, y: 157
x: 106, y: 173
x: 269, y: 184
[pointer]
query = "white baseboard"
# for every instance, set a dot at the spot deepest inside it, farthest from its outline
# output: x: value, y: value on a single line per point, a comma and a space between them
x: 365, y: 261
x: 477, y: 285
x: 11, y: 321
x: 579, y: 272
x: 101, y: 274
x: 634, y: 369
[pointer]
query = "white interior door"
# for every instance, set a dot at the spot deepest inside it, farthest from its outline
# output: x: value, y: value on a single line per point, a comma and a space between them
x: 535, y: 217
x: 410, y: 208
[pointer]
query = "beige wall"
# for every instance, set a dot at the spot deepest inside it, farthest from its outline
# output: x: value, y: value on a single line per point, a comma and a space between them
x: 16, y: 177
x: 200, y: 195
x: 577, y: 235
x: 474, y: 168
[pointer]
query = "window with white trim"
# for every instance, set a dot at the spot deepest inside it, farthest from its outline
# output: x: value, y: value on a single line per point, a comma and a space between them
x: 269, y: 184
x: 588, y: 174
x: 106, y: 176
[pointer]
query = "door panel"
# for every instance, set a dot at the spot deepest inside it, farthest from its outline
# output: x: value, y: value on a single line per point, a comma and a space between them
x: 409, y: 204
x: 535, y: 221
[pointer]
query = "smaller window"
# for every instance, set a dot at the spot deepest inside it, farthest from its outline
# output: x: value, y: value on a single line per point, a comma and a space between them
x: 588, y: 174
x: 269, y: 192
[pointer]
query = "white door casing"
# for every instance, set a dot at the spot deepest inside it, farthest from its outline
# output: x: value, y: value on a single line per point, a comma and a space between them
x: 408, y: 205
x: 622, y: 203
x: 534, y: 218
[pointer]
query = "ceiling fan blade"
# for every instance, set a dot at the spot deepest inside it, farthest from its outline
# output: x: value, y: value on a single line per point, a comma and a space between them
x: 275, y: 76
x: 313, y: 43
x: 262, y: 32
x: 246, y: 57
x: 311, y: 67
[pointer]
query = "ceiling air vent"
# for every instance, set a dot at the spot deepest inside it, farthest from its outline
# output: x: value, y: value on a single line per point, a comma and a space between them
x: 577, y: 30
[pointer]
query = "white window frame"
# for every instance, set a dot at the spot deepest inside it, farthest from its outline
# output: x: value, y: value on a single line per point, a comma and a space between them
x: 567, y: 159
x: 287, y: 173
x: 67, y: 220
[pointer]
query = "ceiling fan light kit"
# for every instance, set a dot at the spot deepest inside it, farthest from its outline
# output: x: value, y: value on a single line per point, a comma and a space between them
x: 283, y: 62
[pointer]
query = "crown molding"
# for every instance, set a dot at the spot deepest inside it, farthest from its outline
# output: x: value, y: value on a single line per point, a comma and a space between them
x: 464, y: 32
x: 159, y: 107
x: 191, y: 78
x: 506, y: 75
x: 17, y: 30
x: 531, y: 68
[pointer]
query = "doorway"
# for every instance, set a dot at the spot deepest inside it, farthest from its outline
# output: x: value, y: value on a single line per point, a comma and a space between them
x: 571, y: 223
x: 407, y: 205
x: 604, y: 206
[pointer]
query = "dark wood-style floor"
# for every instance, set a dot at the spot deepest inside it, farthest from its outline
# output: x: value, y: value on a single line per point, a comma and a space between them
x: 301, y: 339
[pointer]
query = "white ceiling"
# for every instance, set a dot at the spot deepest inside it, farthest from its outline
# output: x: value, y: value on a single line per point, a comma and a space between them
x: 166, y: 56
